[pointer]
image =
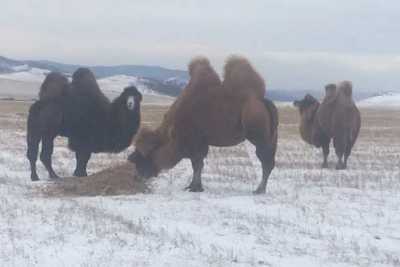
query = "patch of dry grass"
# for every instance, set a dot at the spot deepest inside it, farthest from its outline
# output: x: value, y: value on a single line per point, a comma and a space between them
x: 118, y: 180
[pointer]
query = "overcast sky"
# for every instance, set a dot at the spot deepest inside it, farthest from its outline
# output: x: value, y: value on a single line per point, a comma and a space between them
x: 295, y: 44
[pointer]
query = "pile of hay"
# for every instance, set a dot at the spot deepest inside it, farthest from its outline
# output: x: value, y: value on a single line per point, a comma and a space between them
x: 119, y: 180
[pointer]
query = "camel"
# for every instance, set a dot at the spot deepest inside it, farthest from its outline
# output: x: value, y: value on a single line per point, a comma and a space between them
x: 337, y: 118
x: 83, y: 114
x: 209, y: 112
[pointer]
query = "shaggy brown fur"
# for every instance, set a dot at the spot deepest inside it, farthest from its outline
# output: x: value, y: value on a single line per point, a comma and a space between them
x: 211, y: 113
x: 337, y: 118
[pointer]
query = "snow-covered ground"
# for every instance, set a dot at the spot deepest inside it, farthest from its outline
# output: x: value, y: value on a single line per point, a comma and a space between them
x: 309, y: 216
x: 388, y: 100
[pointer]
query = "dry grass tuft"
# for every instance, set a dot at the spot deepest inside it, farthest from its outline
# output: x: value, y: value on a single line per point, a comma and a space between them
x: 118, y: 180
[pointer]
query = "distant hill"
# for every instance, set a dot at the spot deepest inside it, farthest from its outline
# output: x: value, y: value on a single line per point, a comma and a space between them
x: 162, y: 80
x: 154, y: 72
x: 158, y: 79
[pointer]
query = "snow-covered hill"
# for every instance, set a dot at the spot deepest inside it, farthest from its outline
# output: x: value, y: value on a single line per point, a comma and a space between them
x: 176, y: 81
x: 386, y: 100
x: 158, y: 73
x: 115, y: 84
x: 24, y: 73
x: 24, y: 83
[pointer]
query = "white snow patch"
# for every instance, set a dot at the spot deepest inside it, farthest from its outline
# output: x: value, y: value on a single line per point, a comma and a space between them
x: 30, y: 75
x: 21, y: 67
x: 116, y: 84
x: 388, y: 100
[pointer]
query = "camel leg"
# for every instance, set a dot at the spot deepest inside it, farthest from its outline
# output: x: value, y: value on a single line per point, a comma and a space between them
x: 196, y: 185
x: 259, y: 122
x: 325, y: 141
x: 265, y: 151
x: 266, y: 154
x: 45, y: 155
x: 82, y: 158
x: 197, y: 165
x: 32, y: 154
x: 339, y: 144
x: 347, y: 152
x: 34, y: 135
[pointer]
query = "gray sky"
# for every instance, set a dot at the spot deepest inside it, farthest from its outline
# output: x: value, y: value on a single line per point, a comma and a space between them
x: 300, y: 44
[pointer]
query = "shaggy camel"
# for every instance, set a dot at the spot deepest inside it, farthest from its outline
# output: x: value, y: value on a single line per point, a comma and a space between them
x: 337, y: 118
x: 211, y: 113
x: 81, y: 112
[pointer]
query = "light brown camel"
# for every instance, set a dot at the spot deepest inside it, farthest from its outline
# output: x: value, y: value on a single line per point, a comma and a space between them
x: 211, y: 113
x: 337, y: 118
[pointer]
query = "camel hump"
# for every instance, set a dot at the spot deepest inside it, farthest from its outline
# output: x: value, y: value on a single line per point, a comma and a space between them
x: 239, y: 74
x: 54, y: 85
x: 202, y: 74
x: 84, y: 82
x: 83, y: 79
x: 346, y: 88
x: 199, y: 61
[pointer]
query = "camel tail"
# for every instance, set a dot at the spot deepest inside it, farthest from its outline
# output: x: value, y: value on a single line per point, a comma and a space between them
x: 273, y: 112
x: 53, y: 86
x: 346, y: 88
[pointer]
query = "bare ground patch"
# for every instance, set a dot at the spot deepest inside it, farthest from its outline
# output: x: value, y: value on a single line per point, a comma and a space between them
x: 118, y: 180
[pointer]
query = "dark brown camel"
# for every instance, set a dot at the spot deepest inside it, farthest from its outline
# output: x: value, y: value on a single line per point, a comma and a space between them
x: 83, y: 114
x: 337, y: 118
x: 211, y: 113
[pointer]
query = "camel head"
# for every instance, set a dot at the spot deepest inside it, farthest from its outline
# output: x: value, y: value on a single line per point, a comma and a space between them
x: 330, y: 90
x: 144, y: 165
x: 131, y: 97
x: 307, y: 106
x: 147, y: 144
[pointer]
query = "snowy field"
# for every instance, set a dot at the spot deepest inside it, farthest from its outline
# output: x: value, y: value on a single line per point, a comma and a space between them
x: 309, y: 217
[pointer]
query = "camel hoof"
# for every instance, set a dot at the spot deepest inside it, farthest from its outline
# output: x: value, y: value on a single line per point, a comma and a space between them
x: 54, y: 176
x: 80, y: 174
x: 197, y: 188
x: 34, y: 178
x: 324, y: 165
x: 259, y: 191
x: 340, y: 166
